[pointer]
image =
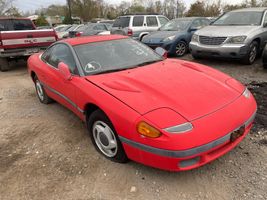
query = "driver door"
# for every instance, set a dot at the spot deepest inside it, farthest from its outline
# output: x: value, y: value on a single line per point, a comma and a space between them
x: 58, y: 88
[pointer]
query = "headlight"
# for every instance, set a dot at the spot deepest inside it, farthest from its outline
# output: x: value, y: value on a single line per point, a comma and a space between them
x: 246, y: 93
x: 169, y: 38
x: 194, y: 38
x: 182, y: 128
x: 237, y: 39
x: 147, y: 130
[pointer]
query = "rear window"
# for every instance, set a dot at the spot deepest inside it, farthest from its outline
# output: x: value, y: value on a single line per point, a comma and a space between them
x: 138, y: 21
x: 16, y: 25
x: 122, y: 22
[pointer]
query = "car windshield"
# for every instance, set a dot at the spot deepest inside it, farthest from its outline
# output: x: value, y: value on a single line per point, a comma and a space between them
x: 244, y: 18
x: 73, y: 27
x: 65, y: 28
x: 176, y: 25
x: 114, y: 55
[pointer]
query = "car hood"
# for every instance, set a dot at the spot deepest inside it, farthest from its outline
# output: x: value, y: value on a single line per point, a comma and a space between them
x: 226, y: 31
x: 178, y: 85
x: 160, y: 35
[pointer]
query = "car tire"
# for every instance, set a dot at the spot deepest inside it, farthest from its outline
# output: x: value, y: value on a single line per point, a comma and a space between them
x: 251, y: 56
x: 40, y: 91
x: 181, y: 49
x: 105, y: 138
x: 4, y: 65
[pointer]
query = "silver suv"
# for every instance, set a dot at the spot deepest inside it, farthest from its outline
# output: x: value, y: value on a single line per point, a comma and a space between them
x: 239, y: 34
x: 137, y: 26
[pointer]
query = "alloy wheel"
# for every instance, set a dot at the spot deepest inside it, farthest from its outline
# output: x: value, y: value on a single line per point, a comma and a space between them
x: 105, y: 139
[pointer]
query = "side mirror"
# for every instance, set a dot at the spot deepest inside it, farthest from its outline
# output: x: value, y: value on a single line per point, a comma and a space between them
x: 64, y: 71
x: 265, y: 25
x: 193, y: 29
x: 162, y: 52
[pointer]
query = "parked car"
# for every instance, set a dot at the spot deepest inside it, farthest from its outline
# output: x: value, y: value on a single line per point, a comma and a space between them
x: 138, y: 26
x: 61, y: 27
x: 65, y: 33
x: 115, y: 85
x: 175, y: 36
x: 239, y: 34
x: 63, y: 30
x: 89, y: 29
x: 264, y: 57
x: 20, y: 39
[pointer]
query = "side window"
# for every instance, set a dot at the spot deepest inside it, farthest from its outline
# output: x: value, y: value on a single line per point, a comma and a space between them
x: 6, y: 25
x: 163, y: 20
x: 196, y: 24
x: 100, y: 27
x: 151, y: 21
x: 138, y: 21
x: 205, y: 22
x: 46, y: 55
x: 62, y: 53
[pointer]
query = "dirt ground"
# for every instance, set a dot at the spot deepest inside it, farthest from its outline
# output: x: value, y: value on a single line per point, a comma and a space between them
x: 45, y: 153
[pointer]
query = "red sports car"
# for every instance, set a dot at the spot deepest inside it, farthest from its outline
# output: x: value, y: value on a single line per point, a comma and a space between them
x: 166, y: 113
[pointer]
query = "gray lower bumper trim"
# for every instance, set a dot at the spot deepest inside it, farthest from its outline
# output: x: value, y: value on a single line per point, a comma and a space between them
x: 184, y: 153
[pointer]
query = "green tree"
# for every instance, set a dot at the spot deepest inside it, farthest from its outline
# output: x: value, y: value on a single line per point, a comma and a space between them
x: 196, y: 9
x: 41, y: 21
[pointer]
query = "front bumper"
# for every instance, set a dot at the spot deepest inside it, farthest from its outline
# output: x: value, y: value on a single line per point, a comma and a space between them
x: 236, y: 51
x: 194, y: 149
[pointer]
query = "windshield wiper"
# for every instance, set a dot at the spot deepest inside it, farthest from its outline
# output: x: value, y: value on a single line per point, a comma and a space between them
x: 110, y: 71
x: 128, y: 68
x: 148, y: 62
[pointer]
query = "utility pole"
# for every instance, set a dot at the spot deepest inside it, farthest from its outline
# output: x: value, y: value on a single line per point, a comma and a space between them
x: 177, y: 9
x: 70, y: 14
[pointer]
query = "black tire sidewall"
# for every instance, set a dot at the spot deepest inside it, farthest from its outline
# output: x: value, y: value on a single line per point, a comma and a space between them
x: 99, y: 115
x: 46, y: 99
x: 4, y: 65
x: 246, y: 59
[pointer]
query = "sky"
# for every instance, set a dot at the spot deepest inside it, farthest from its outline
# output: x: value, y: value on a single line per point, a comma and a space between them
x: 31, y: 5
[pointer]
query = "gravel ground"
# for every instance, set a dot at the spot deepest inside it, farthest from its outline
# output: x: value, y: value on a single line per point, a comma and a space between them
x: 45, y: 153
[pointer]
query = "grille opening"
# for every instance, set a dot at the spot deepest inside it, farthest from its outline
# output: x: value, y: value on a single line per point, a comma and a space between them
x: 212, y: 40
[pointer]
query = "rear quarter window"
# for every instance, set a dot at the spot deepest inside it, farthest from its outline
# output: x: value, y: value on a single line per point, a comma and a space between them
x: 122, y: 22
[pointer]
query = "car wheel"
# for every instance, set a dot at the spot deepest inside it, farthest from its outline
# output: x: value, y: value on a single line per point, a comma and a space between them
x: 4, y: 65
x: 42, y: 96
x: 252, y: 53
x: 105, y: 138
x: 181, y: 49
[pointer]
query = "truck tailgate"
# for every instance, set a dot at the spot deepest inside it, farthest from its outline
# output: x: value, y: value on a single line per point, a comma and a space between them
x: 27, y: 38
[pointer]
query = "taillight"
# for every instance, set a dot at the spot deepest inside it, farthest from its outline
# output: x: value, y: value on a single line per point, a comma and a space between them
x: 78, y: 34
x: 130, y: 32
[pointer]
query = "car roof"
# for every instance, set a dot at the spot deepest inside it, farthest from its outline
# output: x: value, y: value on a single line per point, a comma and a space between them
x: 190, y: 18
x: 259, y: 9
x: 92, y: 39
